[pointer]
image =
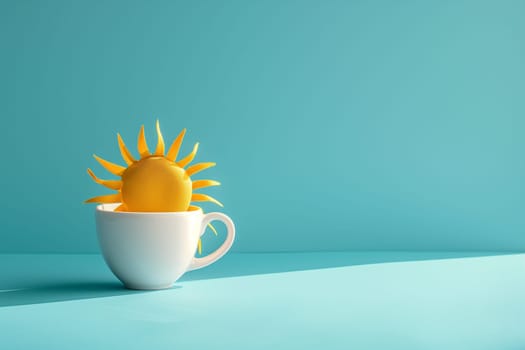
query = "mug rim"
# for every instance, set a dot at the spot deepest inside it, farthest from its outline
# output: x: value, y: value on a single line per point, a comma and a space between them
x: 109, y: 208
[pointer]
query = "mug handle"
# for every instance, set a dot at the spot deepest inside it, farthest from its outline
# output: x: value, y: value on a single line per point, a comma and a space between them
x: 198, y: 263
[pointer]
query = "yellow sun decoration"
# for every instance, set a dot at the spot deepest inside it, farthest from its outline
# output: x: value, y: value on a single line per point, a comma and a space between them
x: 155, y: 182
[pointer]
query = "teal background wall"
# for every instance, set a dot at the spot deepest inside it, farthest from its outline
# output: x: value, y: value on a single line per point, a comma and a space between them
x: 335, y: 124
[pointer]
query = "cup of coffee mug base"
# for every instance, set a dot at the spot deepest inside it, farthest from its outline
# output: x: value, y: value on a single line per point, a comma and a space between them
x: 152, y: 250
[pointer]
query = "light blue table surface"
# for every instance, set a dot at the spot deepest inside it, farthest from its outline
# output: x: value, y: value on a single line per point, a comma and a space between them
x: 365, y: 300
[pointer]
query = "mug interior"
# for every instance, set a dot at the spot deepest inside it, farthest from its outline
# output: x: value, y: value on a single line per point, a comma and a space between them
x: 111, y: 208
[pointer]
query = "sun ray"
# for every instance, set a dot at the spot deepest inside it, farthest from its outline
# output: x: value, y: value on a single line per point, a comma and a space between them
x: 173, y: 152
x: 159, y: 151
x: 194, y: 169
x: 199, y: 246
x: 187, y: 160
x: 142, y: 144
x: 111, y: 167
x: 121, y: 207
x: 199, y: 197
x: 108, y: 198
x: 213, y: 229
x: 126, y: 154
x: 111, y: 184
x: 204, y: 183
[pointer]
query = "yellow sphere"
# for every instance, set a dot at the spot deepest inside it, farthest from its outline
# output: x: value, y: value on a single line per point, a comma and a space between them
x: 155, y: 184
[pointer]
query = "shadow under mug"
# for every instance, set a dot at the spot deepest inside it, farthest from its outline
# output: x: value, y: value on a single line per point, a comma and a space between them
x: 152, y: 250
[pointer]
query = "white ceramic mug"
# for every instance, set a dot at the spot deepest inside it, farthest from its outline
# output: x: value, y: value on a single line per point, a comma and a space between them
x: 152, y: 250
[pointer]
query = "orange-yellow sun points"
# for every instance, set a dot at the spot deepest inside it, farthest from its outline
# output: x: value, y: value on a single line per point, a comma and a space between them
x: 156, y: 182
